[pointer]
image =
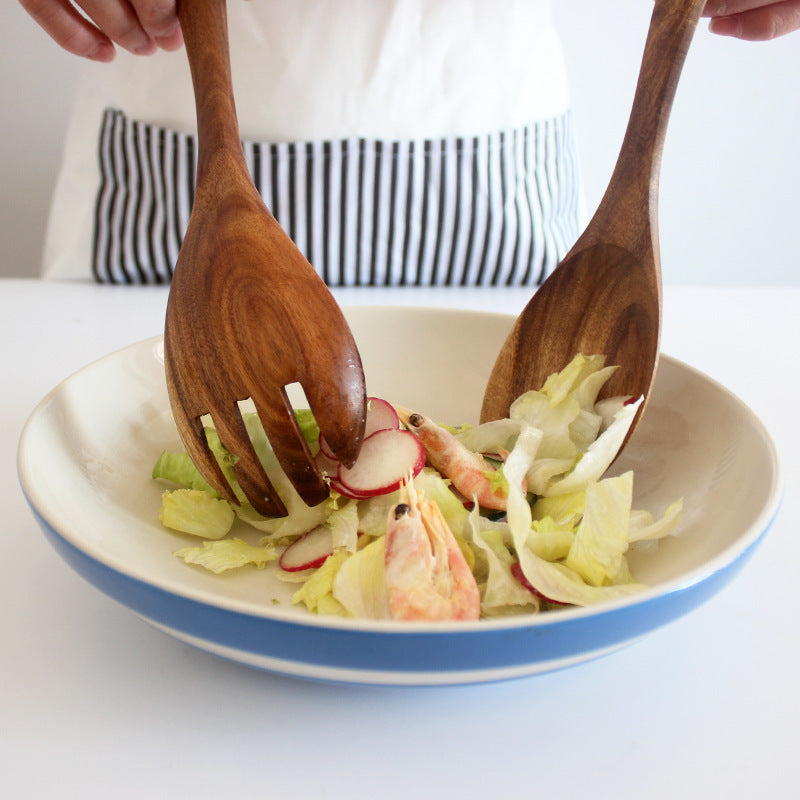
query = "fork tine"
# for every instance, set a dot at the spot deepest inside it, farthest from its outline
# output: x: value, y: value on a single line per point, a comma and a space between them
x: 290, y: 447
x: 194, y: 439
x: 247, y: 468
x: 339, y: 407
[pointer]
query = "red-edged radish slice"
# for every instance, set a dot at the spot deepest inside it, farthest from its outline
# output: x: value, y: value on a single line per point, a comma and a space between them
x: 380, y: 416
x: 327, y: 466
x: 337, y: 486
x: 609, y: 406
x: 325, y: 448
x: 386, y: 459
x: 309, y: 551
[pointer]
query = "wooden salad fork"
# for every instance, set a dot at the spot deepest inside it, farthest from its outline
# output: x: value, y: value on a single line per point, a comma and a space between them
x: 247, y: 315
x: 605, y: 296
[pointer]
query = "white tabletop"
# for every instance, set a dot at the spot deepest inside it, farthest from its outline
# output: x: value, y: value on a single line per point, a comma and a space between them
x: 96, y: 703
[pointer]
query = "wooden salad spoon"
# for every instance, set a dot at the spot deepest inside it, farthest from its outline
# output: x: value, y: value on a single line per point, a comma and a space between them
x: 605, y: 296
x: 247, y: 315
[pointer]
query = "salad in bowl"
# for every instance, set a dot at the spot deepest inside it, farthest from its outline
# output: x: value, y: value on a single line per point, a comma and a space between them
x: 441, y: 523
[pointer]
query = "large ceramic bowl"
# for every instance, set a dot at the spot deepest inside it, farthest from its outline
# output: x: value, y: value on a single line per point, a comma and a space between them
x: 86, y: 455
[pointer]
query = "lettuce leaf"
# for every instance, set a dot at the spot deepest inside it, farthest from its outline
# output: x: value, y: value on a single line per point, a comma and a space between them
x: 180, y: 469
x: 563, y: 509
x: 569, y: 380
x: 644, y: 527
x: 491, y: 437
x: 550, y: 540
x: 501, y: 588
x: 598, y: 458
x: 360, y: 583
x: 224, y: 554
x: 343, y: 523
x: 601, y: 538
x: 196, y: 512
x: 553, y: 580
x: 430, y: 484
x: 373, y: 513
x: 317, y: 592
x: 537, y: 410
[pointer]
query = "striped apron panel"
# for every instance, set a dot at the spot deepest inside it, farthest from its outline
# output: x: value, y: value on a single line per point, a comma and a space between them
x: 496, y: 209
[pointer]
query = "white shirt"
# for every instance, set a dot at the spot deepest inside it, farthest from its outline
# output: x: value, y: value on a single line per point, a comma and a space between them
x: 313, y: 70
x: 321, y: 69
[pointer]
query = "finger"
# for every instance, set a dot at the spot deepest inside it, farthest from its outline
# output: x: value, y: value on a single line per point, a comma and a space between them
x: 727, y: 8
x: 120, y: 23
x: 69, y: 29
x: 756, y: 24
x: 159, y: 18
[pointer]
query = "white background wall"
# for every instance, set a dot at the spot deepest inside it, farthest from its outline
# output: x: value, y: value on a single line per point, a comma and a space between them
x: 730, y: 196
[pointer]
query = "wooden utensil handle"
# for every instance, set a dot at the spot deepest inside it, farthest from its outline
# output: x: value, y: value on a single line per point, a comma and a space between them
x: 205, y: 30
x: 637, y: 169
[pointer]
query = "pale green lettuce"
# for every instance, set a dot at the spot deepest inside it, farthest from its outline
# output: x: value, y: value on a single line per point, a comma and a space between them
x: 317, y: 592
x: 601, y: 453
x: 224, y: 554
x: 360, y: 583
x: 554, y: 580
x: 563, y: 509
x: 601, y: 538
x: 570, y: 530
x: 550, y: 540
x: 501, y: 589
x: 196, y: 512
x: 343, y: 524
x: 644, y: 527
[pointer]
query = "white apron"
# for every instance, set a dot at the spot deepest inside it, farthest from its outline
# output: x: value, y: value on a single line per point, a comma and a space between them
x: 398, y: 142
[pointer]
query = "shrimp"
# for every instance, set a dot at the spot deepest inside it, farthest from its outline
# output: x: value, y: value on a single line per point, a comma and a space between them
x: 468, y: 472
x: 427, y: 576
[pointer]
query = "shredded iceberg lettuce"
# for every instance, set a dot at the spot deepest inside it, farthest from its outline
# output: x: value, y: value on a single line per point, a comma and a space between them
x: 359, y: 583
x: 317, y: 592
x: 196, y: 512
x: 225, y: 554
x: 644, y: 527
x: 501, y: 589
x: 563, y: 539
x: 601, y: 537
x: 550, y: 540
x: 554, y: 580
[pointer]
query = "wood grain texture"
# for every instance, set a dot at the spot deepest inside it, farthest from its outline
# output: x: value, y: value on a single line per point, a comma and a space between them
x: 605, y: 296
x: 247, y: 314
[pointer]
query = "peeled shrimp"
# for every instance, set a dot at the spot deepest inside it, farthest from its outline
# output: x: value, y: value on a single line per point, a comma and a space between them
x: 467, y: 471
x: 427, y: 576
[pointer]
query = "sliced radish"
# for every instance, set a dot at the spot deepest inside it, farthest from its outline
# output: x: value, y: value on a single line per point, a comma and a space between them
x: 327, y: 466
x: 609, y: 406
x: 309, y: 551
x: 337, y: 486
x: 325, y: 448
x: 386, y: 458
x: 380, y: 416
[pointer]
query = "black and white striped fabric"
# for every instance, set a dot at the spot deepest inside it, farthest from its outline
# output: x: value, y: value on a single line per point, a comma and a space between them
x: 497, y: 209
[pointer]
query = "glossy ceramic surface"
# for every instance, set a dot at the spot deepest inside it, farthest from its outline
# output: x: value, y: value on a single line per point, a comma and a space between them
x: 87, y: 451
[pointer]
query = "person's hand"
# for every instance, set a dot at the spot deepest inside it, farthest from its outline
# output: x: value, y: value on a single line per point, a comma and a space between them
x: 140, y: 26
x: 754, y: 20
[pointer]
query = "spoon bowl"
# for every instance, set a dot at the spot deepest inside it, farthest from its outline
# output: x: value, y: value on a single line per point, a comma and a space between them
x: 604, y: 298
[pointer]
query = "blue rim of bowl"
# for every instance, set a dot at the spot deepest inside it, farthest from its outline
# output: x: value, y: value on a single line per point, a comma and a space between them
x: 550, y: 639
